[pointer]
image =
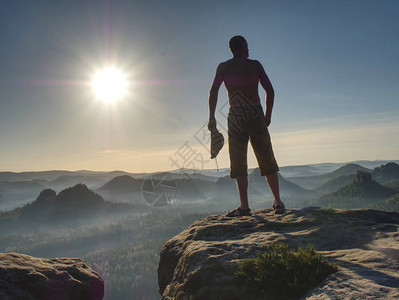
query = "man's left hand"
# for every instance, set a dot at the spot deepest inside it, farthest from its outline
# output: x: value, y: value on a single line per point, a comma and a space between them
x: 211, y: 124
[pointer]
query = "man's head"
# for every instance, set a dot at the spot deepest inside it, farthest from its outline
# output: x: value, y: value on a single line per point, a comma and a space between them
x: 238, y: 46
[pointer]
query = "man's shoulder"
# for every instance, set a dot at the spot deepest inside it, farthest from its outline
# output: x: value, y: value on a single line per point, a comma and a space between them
x: 255, y: 62
x: 233, y: 64
x: 234, y: 61
x: 225, y: 63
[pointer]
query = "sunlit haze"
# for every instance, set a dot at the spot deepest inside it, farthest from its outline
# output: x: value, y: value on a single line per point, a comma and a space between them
x: 106, y: 85
x: 109, y: 84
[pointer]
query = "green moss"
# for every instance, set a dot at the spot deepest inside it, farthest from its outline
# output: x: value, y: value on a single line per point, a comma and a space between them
x: 282, y: 273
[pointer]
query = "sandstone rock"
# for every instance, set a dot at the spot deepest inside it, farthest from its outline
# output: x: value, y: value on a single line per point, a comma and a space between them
x: 27, y: 277
x: 362, y: 177
x: 200, y: 262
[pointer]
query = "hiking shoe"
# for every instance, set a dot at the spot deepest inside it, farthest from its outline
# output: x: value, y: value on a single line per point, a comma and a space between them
x: 238, y: 212
x: 279, y: 209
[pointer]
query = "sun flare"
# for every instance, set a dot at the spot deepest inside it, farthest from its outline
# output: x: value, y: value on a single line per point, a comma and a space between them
x: 109, y: 84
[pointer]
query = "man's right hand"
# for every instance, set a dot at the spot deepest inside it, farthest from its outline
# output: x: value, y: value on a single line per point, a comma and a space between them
x: 268, y: 120
x: 211, y: 124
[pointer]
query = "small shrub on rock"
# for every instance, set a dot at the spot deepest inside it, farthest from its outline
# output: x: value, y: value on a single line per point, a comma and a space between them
x: 281, y: 273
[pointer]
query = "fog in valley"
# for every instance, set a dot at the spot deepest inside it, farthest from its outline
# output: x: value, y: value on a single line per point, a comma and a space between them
x: 118, y: 221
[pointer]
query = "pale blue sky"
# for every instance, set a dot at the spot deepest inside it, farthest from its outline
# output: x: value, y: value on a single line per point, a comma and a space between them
x: 334, y: 66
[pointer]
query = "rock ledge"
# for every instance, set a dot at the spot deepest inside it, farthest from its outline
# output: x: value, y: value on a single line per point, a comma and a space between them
x: 27, y: 277
x: 199, y: 263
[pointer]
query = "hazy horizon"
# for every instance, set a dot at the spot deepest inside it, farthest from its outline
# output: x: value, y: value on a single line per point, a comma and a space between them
x: 207, y: 170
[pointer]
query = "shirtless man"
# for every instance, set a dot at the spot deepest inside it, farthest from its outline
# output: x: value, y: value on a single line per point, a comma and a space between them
x: 246, y: 121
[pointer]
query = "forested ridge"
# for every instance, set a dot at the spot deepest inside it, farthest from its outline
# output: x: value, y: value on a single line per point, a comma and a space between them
x: 125, y: 253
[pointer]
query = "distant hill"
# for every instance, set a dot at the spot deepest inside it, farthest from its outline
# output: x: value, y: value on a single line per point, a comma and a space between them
x: 362, y: 192
x: 387, y: 174
x: 188, y: 187
x: 169, y: 175
x: 91, y: 179
x: 76, y: 204
x: 204, y: 174
x: 393, y: 185
x: 20, y: 188
x: 288, y: 171
x: 26, y: 176
x: 335, y: 184
x: 71, y: 202
x: 285, y: 185
x: 123, y: 189
x: 15, y: 194
x: 292, y: 194
x: 122, y: 184
x: 390, y: 204
x: 193, y: 190
x: 53, y: 175
x: 347, y: 170
x: 132, y: 190
x: 185, y: 174
x: 371, y: 164
x: 307, y: 170
x: 313, y: 182
x: 226, y: 182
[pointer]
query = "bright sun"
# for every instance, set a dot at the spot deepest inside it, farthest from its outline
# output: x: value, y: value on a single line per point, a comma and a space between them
x: 109, y: 84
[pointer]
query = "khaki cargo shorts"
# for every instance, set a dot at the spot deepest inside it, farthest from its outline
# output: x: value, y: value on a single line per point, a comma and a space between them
x: 244, y: 124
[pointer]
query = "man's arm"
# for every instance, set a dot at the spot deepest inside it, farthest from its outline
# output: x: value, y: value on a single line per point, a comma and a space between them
x: 213, y: 97
x: 267, y: 85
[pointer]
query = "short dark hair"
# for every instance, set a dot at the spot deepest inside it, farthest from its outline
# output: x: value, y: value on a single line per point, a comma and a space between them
x: 236, y: 43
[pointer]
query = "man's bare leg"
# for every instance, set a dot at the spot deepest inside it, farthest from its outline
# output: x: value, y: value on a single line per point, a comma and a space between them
x: 272, y: 181
x: 242, y: 187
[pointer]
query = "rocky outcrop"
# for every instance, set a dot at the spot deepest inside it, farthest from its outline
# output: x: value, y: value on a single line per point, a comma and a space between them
x: 27, y: 277
x: 362, y: 177
x: 200, y: 262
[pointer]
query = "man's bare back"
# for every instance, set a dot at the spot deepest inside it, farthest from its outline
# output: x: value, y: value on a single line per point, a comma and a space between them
x: 241, y: 75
